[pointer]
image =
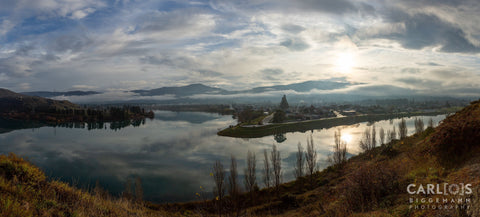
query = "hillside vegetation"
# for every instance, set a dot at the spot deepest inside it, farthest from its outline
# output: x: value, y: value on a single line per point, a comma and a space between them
x: 373, y: 183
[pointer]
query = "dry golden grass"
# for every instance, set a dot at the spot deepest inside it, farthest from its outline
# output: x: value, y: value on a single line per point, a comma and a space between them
x: 25, y: 191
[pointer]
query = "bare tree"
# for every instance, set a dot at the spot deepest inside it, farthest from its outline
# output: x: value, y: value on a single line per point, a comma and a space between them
x: 402, y: 129
x: 339, y: 149
x: 311, y: 158
x: 366, y: 141
x: 393, y: 133
x: 389, y: 136
x: 233, y: 187
x: 138, y: 189
x: 250, y: 175
x: 299, y: 166
x: 277, y: 166
x: 267, y: 173
x: 419, y: 125
x: 219, y: 179
x: 374, y: 135
x: 382, y: 136
x: 430, y: 123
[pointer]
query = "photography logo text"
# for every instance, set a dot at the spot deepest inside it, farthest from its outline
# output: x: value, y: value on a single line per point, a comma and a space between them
x: 440, y: 196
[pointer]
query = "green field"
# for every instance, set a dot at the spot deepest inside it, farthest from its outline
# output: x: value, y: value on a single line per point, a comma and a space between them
x: 303, y: 126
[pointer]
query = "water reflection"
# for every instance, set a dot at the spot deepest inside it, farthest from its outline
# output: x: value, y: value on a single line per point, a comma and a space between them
x: 280, y: 138
x: 172, y: 157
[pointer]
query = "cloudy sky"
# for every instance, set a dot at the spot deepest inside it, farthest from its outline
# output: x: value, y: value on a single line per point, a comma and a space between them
x: 424, y: 45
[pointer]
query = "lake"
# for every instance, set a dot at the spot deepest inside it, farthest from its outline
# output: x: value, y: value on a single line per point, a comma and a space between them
x: 172, y: 154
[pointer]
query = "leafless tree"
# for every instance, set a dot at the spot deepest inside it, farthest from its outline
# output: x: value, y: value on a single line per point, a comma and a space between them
x: 138, y: 190
x: 382, y: 136
x: 389, y: 136
x: 393, y: 134
x: 277, y: 166
x: 233, y: 187
x: 219, y: 179
x: 267, y: 172
x: 339, y: 149
x: 366, y: 141
x: 402, y: 129
x: 250, y: 175
x: 430, y: 123
x: 300, y: 163
x: 419, y: 125
x: 374, y: 135
x: 311, y: 158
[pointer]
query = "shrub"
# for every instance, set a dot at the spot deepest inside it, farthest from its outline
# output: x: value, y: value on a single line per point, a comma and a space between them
x: 368, y: 187
x: 457, y: 135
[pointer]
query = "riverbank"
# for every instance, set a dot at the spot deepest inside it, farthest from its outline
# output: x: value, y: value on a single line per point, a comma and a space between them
x: 258, y: 131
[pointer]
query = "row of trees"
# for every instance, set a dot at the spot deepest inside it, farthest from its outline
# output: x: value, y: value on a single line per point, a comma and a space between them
x: 369, y: 141
x: 305, y: 164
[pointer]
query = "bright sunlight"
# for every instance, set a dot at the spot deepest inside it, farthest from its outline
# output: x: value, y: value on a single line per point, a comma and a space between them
x: 345, y: 62
x: 346, y: 138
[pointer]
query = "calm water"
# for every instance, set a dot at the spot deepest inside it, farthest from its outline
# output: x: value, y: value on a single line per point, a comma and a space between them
x: 172, y: 154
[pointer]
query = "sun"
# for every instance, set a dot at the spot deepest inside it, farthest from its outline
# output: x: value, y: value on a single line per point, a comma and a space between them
x: 345, y: 62
x: 346, y: 137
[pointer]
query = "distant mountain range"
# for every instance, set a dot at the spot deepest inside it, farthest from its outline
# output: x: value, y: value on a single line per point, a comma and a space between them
x: 49, y: 94
x: 332, y: 90
x: 194, y: 89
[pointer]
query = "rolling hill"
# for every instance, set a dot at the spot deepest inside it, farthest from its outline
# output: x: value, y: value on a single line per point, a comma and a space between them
x: 16, y: 102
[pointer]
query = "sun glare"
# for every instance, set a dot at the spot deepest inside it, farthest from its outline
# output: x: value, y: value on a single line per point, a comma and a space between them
x: 346, y: 138
x: 345, y: 62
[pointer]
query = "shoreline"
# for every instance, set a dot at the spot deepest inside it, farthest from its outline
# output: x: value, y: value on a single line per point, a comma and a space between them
x: 259, y: 131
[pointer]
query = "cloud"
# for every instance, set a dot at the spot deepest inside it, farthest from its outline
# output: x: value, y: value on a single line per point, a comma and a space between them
x: 16, y: 66
x: 83, y: 87
x: 272, y: 73
x: 292, y: 28
x: 295, y: 44
x: 18, y: 12
x: 420, y: 83
x: 429, y: 64
x: 175, y: 24
x: 209, y: 73
x: 325, y: 6
x: 79, y: 14
x: 422, y: 29
x: 73, y: 43
x: 228, y: 44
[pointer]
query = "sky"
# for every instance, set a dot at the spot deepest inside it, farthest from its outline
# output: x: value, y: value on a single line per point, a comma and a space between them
x: 425, y: 46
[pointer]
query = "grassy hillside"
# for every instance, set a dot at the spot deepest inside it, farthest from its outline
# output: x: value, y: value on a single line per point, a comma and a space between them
x: 25, y: 191
x: 373, y: 183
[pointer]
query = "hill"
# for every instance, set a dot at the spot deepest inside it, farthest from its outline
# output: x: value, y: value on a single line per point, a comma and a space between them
x: 182, y: 91
x: 18, y: 106
x: 194, y: 89
x: 50, y: 94
x: 11, y: 101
